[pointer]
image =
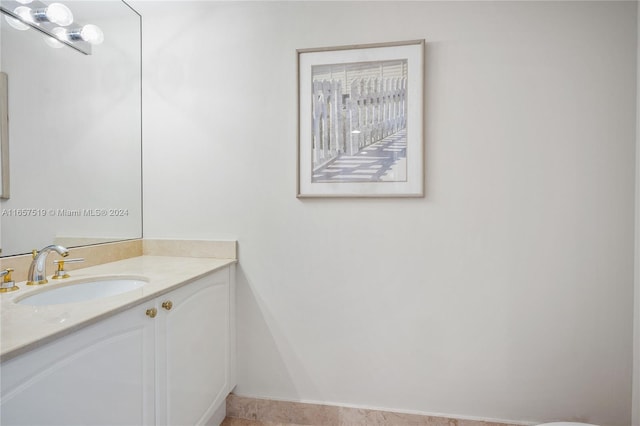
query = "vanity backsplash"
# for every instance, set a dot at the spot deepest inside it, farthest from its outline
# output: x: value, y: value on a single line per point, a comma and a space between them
x: 99, y: 254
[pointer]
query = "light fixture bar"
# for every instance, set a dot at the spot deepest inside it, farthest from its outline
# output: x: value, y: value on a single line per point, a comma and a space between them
x: 43, y: 25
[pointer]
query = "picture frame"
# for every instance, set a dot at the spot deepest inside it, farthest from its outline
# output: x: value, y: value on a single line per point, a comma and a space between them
x: 361, y: 120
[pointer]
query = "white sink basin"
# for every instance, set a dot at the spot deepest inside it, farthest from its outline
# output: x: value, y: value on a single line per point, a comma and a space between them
x: 85, y: 290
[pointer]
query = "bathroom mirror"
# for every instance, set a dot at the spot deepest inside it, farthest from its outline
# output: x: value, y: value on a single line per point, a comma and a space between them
x: 4, y: 138
x: 74, y: 133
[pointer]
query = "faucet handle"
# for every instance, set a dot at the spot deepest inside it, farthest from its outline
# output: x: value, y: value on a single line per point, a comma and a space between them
x: 60, y: 272
x: 7, y: 283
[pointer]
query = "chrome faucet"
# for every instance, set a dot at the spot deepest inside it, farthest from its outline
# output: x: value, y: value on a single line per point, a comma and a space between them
x: 37, y: 269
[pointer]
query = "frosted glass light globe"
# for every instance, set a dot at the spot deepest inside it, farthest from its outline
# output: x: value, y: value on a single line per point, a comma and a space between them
x: 92, y: 34
x: 24, y: 13
x: 60, y: 33
x: 52, y: 42
x: 59, y: 14
x: 16, y: 23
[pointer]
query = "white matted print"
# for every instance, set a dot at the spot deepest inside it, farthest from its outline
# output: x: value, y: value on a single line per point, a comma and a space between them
x: 361, y: 120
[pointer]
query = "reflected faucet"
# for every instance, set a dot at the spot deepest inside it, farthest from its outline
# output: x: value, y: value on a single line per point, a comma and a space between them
x: 37, y: 269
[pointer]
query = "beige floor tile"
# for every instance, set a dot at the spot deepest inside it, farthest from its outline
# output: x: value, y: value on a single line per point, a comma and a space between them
x: 242, y: 407
x: 481, y: 423
x: 295, y: 413
x: 265, y: 412
x: 362, y: 417
x: 233, y: 421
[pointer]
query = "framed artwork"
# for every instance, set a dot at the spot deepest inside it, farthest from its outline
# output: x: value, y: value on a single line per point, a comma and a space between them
x: 360, y: 120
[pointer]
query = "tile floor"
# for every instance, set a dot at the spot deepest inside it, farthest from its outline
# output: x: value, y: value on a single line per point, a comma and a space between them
x: 245, y: 411
x: 233, y: 421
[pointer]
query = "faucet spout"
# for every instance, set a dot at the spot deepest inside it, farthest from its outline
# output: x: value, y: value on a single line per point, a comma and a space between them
x: 37, y: 269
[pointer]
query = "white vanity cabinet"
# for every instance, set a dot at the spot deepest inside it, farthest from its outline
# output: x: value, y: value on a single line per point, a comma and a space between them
x: 102, y: 374
x: 193, y: 351
x: 157, y: 363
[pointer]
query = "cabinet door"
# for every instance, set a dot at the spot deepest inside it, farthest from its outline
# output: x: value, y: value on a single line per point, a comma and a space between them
x: 99, y: 375
x: 193, y: 351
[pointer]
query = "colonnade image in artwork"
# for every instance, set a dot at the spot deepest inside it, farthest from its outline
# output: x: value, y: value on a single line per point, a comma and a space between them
x: 359, y: 122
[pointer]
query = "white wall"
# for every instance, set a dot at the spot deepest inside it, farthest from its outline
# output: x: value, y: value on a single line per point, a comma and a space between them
x: 506, y: 293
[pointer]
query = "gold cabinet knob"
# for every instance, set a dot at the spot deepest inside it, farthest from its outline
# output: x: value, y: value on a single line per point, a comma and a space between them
x: 151, y: 313
x: 167, y: 305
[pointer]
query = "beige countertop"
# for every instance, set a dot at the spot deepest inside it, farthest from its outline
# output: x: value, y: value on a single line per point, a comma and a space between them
x: 24, y: 327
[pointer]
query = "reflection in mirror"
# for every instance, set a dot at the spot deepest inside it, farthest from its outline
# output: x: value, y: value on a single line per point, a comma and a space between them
x: 4, y: 138
x: 55, y: 20
x: 75, y: 133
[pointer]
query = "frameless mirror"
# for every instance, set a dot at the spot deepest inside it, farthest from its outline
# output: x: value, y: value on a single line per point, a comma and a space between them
x: 4, y: 138
x: 74, y: 132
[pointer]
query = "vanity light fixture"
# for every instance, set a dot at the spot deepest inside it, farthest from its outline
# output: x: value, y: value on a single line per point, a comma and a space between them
x: 51, y: 19
x: 56, y: 13
x: 90, y: 33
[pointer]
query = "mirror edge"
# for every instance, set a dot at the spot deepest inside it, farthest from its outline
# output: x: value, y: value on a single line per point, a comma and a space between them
x: 141, y: 69
x: 4, y: 137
